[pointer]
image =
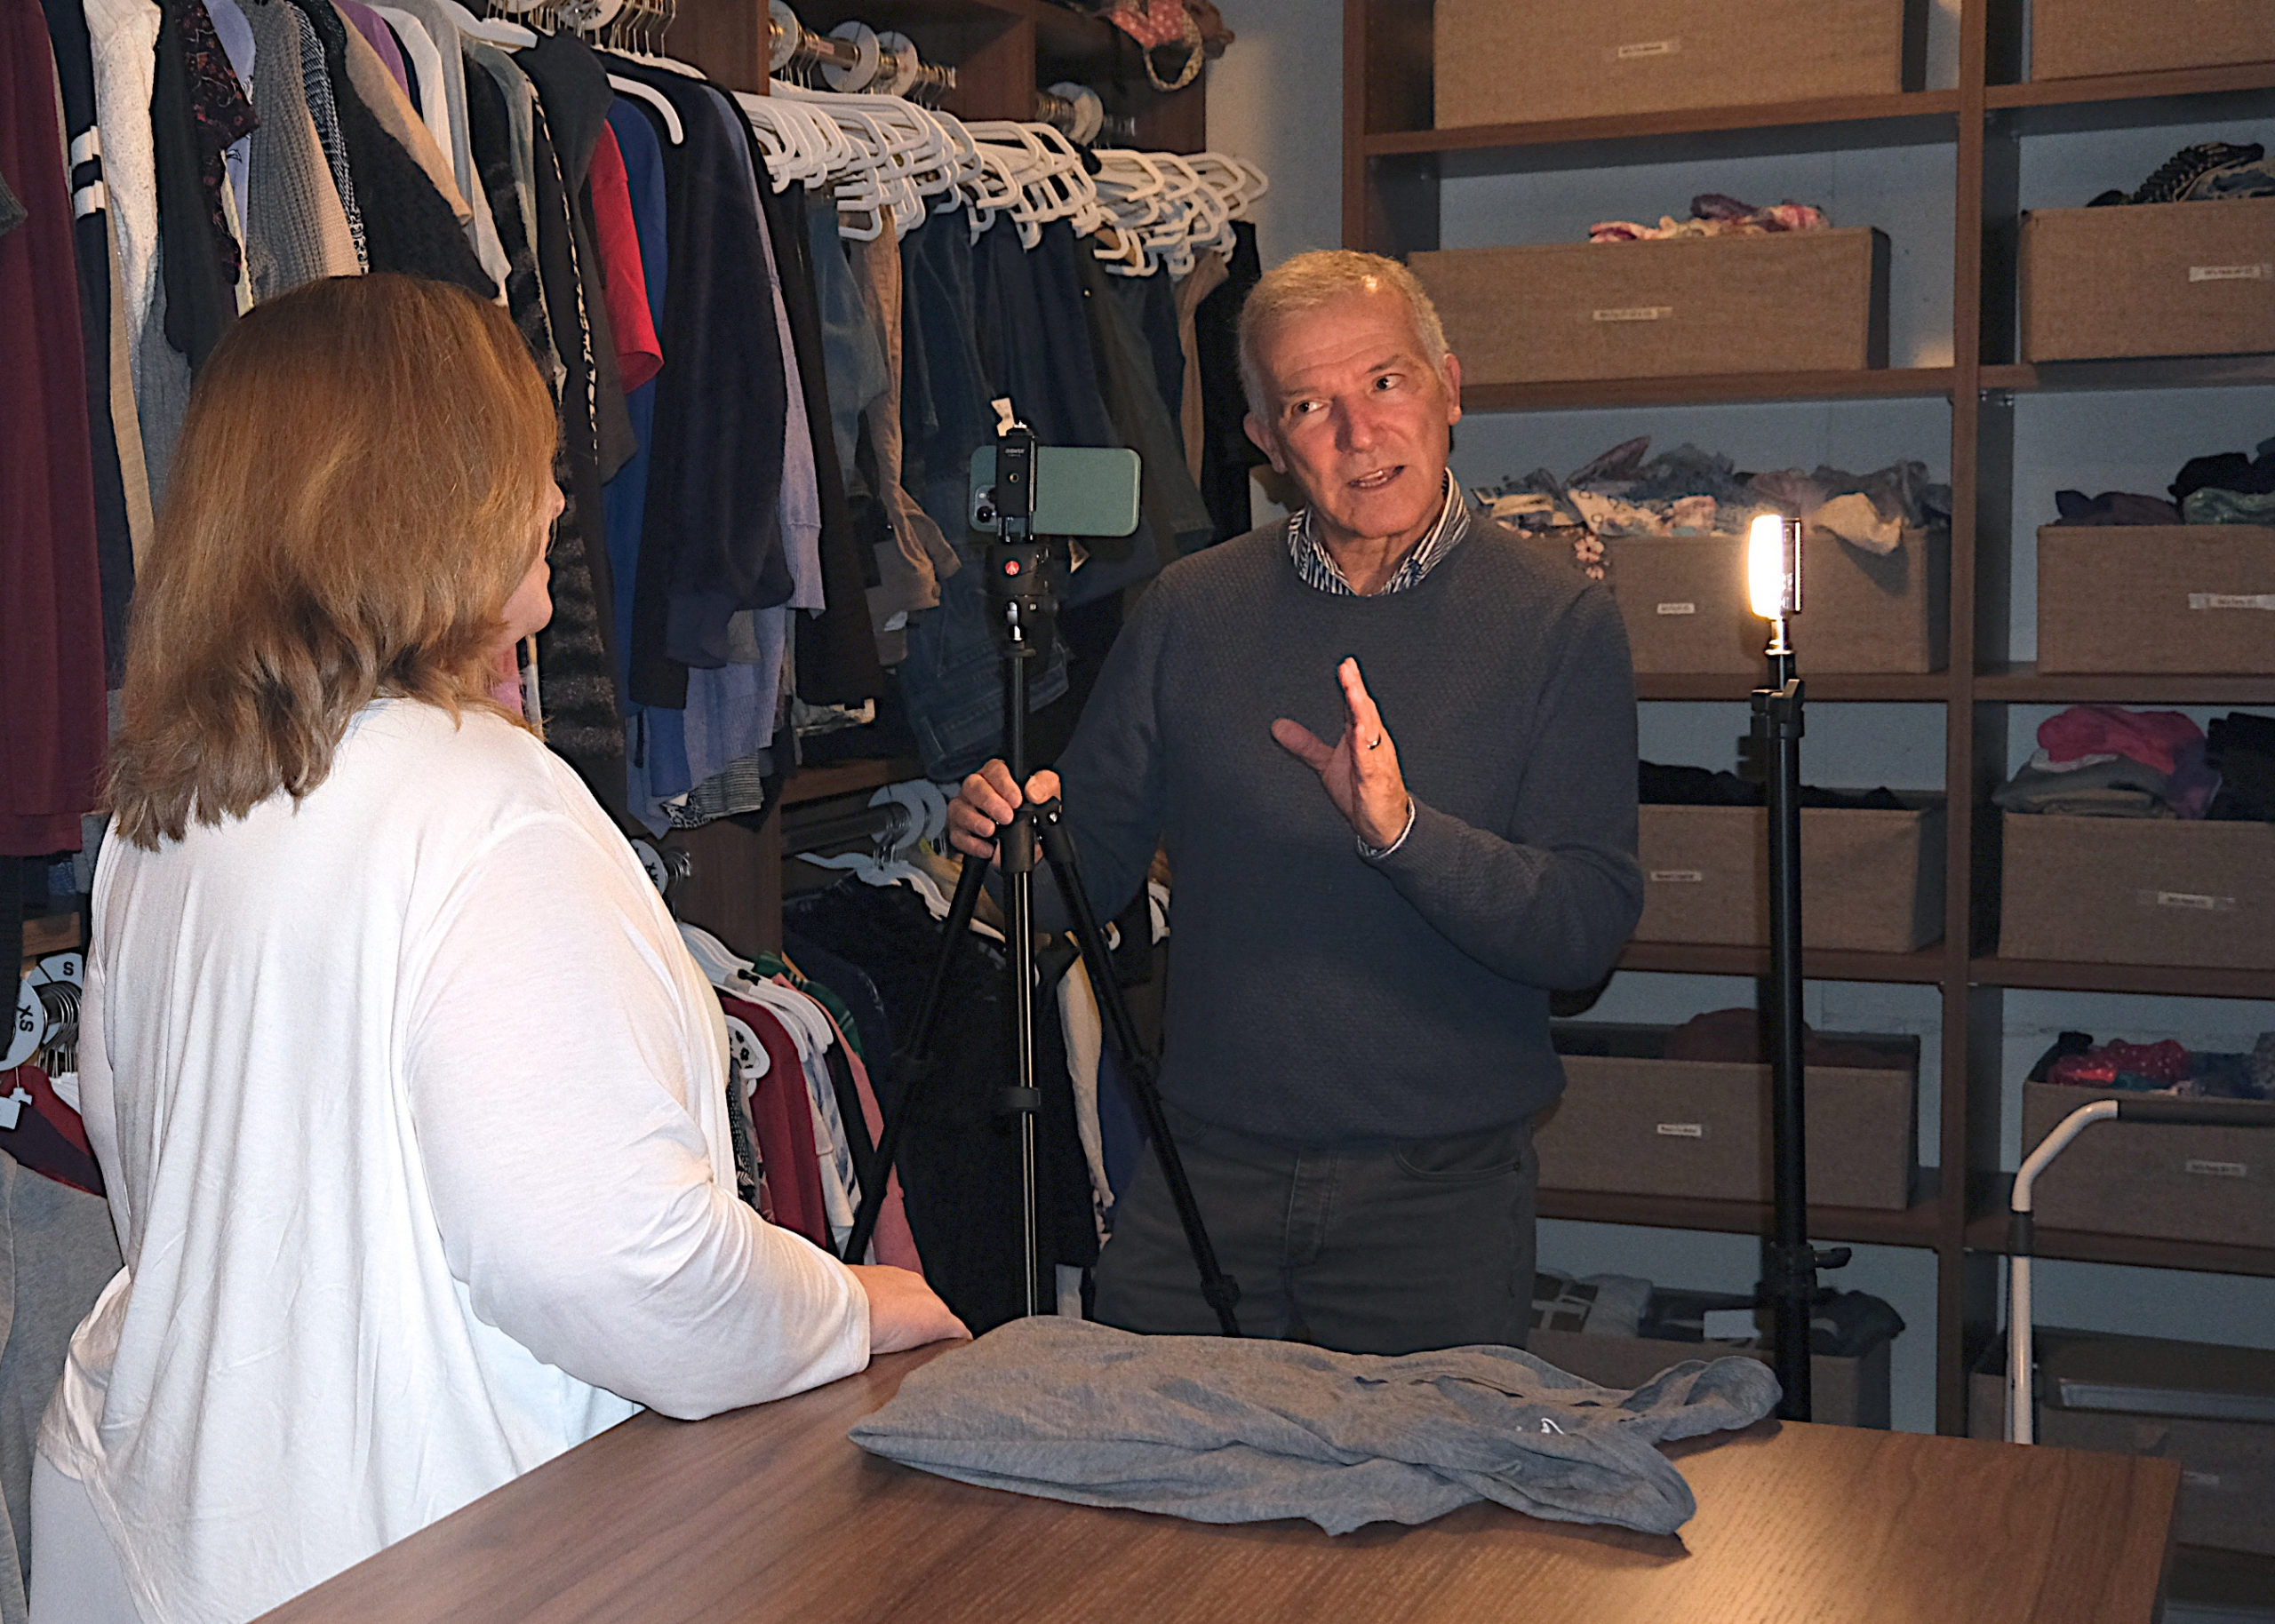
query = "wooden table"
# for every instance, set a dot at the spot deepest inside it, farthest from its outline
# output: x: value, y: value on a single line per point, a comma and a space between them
x: 771, y: 1514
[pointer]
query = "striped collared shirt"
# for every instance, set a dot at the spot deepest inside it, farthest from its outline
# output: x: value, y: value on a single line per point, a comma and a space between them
x: 1317, y: 570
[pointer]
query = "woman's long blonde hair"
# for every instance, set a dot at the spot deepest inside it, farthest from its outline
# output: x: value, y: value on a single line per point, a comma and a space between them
x: 354, y: 499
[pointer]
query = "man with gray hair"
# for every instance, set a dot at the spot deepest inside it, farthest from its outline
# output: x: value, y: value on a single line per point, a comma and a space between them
x: 1391, y: 755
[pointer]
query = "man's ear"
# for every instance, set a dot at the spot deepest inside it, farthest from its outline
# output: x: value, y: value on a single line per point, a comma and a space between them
x: 1449, y: 372
x: 1267, y: 442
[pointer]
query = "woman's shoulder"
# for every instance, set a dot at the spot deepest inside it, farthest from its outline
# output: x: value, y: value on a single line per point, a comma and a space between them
x: 474, y: 767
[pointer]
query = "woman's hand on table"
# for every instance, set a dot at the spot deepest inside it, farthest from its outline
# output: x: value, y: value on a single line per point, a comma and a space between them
x: 903, y: 1312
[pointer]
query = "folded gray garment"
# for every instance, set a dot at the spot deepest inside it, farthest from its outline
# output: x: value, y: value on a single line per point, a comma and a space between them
x: 2119, y: 787
x: 1221, y: 1429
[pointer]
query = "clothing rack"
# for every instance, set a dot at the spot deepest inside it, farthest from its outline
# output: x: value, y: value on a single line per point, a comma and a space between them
x: 854, y: 57
x: 1078, y: 112
x: 820, y: 825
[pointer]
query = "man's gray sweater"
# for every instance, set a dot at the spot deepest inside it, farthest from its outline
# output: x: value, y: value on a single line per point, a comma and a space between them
x: 1315, y: 995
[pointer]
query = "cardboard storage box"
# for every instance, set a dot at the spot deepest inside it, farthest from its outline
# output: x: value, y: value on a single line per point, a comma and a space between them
x: 2167, y: 1180
x: 1510, y: 61
x: 2127, y: 891
x: 2227, y: 1476
x: 1808, y: 301
x: 2150, y: 279
x: 1871, y: 881
x: 1633, y: 1122
x: 1684, y: 601
x: 2191, y: 598
x: 1844, y: 1391
x: 2077, y: 39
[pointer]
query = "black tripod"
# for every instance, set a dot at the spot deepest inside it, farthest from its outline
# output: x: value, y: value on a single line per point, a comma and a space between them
x: 1018, y: 589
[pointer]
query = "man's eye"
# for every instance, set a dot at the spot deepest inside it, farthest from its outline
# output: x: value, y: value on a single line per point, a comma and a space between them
x: 1388, y: 380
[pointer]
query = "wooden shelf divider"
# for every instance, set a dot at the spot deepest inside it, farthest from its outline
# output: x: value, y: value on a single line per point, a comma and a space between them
x: 2170, y: 981
x: 1712, y: 389
x: 1926, y: 966
x: 1986, y: 1232
x: 2024, y: 684
x: 1915, y: 1226
x: 1920, y: 688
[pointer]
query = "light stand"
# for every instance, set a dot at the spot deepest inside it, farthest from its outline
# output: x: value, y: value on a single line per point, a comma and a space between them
x: 1018, y: 589
x: 1790, y: 1262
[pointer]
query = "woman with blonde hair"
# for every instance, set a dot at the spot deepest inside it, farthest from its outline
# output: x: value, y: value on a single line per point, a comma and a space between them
x: 411, y: 1104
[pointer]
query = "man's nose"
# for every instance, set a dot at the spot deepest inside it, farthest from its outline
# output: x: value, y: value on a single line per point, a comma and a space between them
x: 1358, y: 426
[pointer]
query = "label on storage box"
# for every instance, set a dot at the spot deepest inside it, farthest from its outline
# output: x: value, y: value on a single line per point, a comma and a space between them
x: 1682, y: 1130
x: 1678, y: 877
x: 2231, y: 273
x: 2216, y: 1170
x: 1635, y: 313
x: 2232, y: 600
x: 1644, y: 49
x: 1677, y: 609
x: 2187, y: 899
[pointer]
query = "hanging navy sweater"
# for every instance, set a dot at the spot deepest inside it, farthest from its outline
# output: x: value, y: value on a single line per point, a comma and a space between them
x: 1314, y: 995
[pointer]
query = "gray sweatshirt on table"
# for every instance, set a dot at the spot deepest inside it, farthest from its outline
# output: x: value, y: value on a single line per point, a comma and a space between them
x: 1224, y: 1430
x: 1314, y: 995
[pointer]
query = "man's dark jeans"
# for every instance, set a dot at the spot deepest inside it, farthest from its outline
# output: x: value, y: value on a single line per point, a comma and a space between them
x: 1389, y: 1247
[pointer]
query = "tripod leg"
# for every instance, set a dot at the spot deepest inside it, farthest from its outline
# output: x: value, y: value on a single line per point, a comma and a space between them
x: 1216, y: 1288
x: 914, y: 1062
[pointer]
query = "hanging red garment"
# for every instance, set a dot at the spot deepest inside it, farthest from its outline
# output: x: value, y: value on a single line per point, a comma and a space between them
x: 781, y: 1115
x: 623, y: 278
x: 894, y: 1242
x: 53, y: 715
x: 48, y: 1137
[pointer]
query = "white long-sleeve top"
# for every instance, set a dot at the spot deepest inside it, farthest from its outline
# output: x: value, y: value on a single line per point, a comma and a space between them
x: 412, y: 1108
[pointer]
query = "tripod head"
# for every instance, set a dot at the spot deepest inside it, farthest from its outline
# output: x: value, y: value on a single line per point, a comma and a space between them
x: 1035, y: 498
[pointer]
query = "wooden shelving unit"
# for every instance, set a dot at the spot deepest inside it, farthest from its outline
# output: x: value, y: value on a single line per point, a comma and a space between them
x: 1395, y: 163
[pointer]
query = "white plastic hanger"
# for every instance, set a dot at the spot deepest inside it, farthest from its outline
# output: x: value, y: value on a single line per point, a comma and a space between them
x: 673, y: 131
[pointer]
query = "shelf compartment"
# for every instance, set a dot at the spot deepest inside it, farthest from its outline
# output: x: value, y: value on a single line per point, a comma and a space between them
x: 1916, y: 1226
x: 1712, y: 389
x: 1749, y: 129
x: 1924, y: 968
x: 2068, y: 976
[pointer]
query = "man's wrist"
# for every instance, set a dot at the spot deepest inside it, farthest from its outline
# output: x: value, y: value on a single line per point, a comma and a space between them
x: 1376, y: 854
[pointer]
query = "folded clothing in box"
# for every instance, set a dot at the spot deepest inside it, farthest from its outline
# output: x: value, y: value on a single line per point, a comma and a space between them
x: 2219, y: 488
x: 2104, y: 761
